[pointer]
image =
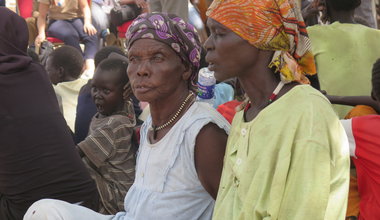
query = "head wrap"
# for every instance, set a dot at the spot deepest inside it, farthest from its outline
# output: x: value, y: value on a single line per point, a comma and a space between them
x: 171, y: 30
x: 275, y: 25
x: 13, y: 42
x: 13, y: 33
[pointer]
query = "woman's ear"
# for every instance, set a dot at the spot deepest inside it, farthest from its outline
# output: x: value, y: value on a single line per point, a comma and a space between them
x: 186, y: 72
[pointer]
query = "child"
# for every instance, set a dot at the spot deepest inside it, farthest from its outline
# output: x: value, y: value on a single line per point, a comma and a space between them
x: 108, y: 151
x: 64, y: 66
x: 364, y: 138
x: 86, y: 108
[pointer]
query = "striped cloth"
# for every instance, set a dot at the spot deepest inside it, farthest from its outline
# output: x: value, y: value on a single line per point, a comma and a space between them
x: 110, y: 158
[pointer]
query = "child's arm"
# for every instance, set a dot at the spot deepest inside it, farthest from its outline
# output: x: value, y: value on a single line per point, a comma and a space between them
x: 354, y: 100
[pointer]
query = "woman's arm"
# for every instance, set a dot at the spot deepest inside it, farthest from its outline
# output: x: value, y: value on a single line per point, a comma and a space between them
x: 354, y: 100
x: 41, y: 23
x: 210, y: 147
x: 87, y: 26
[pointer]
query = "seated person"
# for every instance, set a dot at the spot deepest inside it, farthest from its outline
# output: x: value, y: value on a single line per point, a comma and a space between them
x: 86, y: 108
x: 64, y: 66
x: 108, y: 151
x: 182, y: 146
x: 362, y: 126
x: 37, y: 155
x: 69, y: 21
x: 336, y: 47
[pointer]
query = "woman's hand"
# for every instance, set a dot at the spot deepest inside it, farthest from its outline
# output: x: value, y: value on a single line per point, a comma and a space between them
x: 141, y: 3
x: 89, y: 29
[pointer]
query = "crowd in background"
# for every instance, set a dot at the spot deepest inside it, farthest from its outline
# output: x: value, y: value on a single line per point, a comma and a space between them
x: 100, y: 119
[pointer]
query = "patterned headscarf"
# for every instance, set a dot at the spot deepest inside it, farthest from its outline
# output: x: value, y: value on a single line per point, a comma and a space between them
x: 170, y: 30
x: 275, y: 25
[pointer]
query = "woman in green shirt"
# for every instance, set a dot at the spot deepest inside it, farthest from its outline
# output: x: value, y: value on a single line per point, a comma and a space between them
x: 287, y: 154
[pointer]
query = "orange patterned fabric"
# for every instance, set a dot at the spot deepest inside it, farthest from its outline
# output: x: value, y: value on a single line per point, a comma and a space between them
x: 275, y: 25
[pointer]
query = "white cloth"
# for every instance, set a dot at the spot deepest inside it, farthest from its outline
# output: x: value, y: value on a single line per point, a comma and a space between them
x: 52, y: 209
x: 166, y: 184
x: 69, y: 92
x: 347, y: 125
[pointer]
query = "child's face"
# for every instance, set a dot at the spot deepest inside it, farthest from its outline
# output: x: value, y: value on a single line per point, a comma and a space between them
x: 53, y: 72
x: 107, y: 91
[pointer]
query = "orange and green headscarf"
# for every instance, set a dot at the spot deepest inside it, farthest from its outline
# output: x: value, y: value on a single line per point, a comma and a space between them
x: 275, y: 25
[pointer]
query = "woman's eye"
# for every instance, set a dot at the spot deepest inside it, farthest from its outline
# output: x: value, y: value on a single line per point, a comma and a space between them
x: 157, y: 58
x: 131, y: 59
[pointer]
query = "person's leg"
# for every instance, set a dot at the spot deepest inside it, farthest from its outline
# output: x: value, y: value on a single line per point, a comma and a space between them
x: 51, y: 209
x: 90, y: 42
x: 178, y: 7
x: 100, y: 20
x: 64, y: 31
x: 99, y: 17
x: 90, y: 47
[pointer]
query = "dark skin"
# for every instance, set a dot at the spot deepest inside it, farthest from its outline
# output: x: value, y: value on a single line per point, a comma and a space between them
x: 107, y: 92
x: 57, y: 74
x: 230, y: 56
x: 158, y: 76
x: 328, y: 12
x: 341, y: 16
x: 355, y: 100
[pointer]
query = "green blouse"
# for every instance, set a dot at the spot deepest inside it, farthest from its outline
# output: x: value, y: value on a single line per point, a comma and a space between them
x: 291, y: 162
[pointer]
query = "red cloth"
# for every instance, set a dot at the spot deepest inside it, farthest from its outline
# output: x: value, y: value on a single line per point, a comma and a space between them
x: 228, y: 109
x: 366, y: 131
x: 122, y: 29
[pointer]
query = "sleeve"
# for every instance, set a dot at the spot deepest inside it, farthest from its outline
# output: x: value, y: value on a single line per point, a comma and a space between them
x: 307, y: 188
x: 347, y: 125
x: 99, y: 145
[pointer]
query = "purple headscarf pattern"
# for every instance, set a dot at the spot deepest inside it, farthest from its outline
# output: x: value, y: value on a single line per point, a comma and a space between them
x: 170, y: 30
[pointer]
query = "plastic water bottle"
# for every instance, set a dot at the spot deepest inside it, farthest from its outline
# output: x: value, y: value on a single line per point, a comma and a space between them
x: 206, y: 86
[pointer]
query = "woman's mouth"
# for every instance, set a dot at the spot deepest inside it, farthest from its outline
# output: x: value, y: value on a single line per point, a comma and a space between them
x: 141, y: 89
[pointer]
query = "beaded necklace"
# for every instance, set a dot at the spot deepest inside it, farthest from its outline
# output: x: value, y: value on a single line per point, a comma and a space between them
x: 271, y: 98
x: 155, y: 128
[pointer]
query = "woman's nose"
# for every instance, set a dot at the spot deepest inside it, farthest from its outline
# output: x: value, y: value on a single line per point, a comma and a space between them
x: 143, y: 68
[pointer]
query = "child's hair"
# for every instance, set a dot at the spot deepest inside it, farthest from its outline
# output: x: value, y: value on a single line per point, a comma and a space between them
x: 115, y: 65
x: 69, y: 58
x: 105, y: 52
x: 344, y: 5
x: 376, y: 80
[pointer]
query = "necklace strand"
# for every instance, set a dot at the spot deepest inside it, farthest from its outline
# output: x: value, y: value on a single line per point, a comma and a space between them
x: 157, y: 128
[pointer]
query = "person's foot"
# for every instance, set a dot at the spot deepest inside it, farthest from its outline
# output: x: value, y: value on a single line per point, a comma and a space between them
x: 89, y: 69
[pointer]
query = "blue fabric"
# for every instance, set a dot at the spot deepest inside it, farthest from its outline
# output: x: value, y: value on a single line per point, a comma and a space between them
x: 86, y: 109
x: 71, y: 32
x: 223, y: 93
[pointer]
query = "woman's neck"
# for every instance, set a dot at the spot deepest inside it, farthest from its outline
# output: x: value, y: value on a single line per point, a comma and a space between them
x: 259, y: 86
x: 164, y: 109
